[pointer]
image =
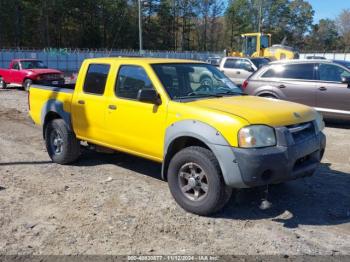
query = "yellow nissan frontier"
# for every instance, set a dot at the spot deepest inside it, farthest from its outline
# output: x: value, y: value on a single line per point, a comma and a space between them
x: 187, y: 115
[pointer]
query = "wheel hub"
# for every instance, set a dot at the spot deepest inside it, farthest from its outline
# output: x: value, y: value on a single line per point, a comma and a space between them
x: 57, y: 143
x: 193, y: 181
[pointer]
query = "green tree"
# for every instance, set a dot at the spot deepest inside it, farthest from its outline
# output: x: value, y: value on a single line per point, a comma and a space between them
x: 343, y: 25
x: 323, y: 37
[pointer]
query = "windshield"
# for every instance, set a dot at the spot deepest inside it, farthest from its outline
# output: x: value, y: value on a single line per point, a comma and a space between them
x: 33, y: 64
x: 249, y: 45
x: 186, y: 81
x: 344, y: 63
x: 264, y: 41
x: 259, y: 62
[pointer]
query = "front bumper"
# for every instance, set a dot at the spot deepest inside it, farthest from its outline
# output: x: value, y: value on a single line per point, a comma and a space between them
x: 58, y: 81
x: 290, y: 159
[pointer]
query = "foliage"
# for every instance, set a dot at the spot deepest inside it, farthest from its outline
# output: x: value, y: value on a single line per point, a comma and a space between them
x: 343, y: 25
x: 204, y: 25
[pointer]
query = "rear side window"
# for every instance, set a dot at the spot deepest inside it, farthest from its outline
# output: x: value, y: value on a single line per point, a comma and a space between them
x: 295, y: 71
x: 231, y: 63
x: 96, y: 78
x: 130, y: 80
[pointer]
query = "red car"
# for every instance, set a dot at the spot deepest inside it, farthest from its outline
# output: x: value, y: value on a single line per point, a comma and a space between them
x: 23, y: 72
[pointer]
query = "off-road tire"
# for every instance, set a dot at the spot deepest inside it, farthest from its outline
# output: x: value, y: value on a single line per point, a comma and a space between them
x: 26, y: 84
x: 70, y: 150
x: 218, y: 193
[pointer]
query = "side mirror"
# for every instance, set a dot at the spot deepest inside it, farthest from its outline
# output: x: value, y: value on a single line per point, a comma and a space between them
x: 250, y: 69
x: 346, y: 80
x: 149, y: 96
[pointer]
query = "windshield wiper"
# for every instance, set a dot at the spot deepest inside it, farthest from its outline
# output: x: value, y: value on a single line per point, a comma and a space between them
x: 194, y: 93
x: 229, y: 92
x: 198, y: 95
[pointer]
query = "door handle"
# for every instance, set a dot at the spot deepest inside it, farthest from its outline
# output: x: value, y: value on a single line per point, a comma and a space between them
x: 282, y: 86
x: 322, y: 88
x: 238, y: 73
x: 81, y: 102
x: 112, y: 107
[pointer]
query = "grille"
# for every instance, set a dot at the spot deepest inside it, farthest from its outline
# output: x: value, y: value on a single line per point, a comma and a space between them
x: 302, y: 132
x: 51, y: 76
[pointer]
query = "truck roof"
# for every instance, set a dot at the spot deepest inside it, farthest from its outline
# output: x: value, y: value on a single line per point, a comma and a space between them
x: 143, y: 60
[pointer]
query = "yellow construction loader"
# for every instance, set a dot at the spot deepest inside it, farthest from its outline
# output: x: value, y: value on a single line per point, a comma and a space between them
x: 259, y: 45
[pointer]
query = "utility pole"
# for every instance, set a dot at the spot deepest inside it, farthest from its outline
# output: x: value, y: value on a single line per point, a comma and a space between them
x: 140, y: 27
x: 260, y: 16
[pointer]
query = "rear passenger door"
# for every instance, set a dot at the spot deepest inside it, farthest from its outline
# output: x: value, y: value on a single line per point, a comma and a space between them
x: 332, y: 95
x: 296, y: 82
x: 134, y: 126
x: 89, y: 103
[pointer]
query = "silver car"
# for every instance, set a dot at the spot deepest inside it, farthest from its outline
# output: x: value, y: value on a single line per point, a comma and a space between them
x: 322, y: 84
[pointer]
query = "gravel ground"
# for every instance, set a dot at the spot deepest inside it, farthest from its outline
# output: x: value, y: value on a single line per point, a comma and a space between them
x: 117, y: 204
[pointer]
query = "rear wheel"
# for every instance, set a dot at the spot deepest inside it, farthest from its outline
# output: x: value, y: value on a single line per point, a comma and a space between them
x: 26, y: 84
x: 2, y: 83
x: 195, y: 181
x: 62, y: 145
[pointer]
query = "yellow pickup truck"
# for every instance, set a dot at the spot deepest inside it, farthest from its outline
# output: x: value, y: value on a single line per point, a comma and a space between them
x: 209, y: 137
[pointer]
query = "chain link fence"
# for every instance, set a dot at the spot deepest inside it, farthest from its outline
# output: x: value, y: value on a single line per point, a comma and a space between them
x: 69, y: 60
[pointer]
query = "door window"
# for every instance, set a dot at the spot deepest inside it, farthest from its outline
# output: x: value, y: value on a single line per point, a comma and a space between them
x: 15, y: 66
x: 294, y: 71
x: 130, y: 80
x: 231, y: 63
x: 244, y: 65
x: 96, y: 78
x: 332, y: 73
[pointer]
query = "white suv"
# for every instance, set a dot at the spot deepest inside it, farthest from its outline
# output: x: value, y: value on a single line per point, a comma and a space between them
x: 238, y: 69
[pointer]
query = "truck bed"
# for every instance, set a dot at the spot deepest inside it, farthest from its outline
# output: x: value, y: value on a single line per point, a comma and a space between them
x: 58, y: 86
x: 42, y: 97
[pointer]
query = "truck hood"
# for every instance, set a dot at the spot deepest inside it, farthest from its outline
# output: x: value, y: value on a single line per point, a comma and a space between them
x: 44, y: 71
x: 257, y: 110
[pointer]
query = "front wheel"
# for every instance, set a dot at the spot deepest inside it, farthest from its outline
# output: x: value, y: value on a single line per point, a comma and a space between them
x: 196, y: 182
x: 61, y: 143
x: 26, y: 84
x: 2, y: 84
x: 269, y: 96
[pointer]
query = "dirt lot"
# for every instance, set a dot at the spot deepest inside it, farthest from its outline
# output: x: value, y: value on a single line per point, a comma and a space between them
x: 117, y: 204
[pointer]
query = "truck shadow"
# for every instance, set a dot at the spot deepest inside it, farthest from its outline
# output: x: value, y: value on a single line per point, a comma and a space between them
x: 133, y: 163
x: 342, y: 124
x: 323, y: 199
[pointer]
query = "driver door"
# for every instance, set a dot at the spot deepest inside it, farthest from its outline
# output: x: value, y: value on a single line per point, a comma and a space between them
x: 233, y: 69
x: 16, y: 75
x: 332, y: 94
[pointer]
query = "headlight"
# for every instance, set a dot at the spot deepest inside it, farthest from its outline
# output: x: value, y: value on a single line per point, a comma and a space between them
x: 320, y: 125
x: 256, y: 136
